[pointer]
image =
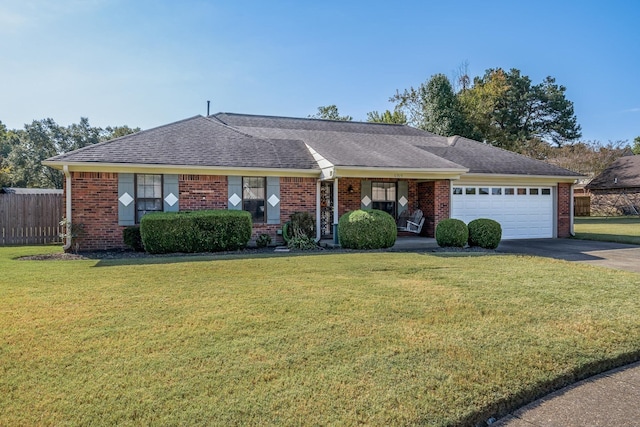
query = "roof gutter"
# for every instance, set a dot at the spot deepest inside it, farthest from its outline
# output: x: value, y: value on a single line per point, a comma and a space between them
x: 67, y: 175
x: 179, y: 169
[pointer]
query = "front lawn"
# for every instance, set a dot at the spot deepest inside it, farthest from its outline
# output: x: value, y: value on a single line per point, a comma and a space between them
x: 611, y: 229
x: 362, y: 338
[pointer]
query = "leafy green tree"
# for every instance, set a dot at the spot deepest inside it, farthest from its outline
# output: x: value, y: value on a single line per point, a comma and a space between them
x: 395, y: 117
x: 636, y: 146
x: 117, y: 132
x: 42, y: 139
x: 5, y: 149
x: 588, y: 158
x: 434, y: 107
x: 330, y: 112
x: 507, y: 110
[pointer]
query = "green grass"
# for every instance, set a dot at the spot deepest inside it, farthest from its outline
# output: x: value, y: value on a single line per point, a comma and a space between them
x: 611, y: 229
x: 363, y: 338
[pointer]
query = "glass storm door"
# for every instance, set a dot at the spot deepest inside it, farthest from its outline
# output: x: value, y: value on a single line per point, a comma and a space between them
x: 326, y: 209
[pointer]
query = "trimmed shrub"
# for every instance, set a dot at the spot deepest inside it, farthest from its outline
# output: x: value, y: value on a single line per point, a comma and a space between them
x: 196, y: 231
x: 302, y: 224
x: 131, y: 237
x: 452, y: 232
x: 367, y: 229
x: 263, y: 240
x: 302, y: 243
x: 484, y: 232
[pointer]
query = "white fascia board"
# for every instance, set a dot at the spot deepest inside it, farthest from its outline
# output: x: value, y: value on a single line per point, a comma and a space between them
x: 505, y: 179
x: 326, y: 167
x: 180, y: 169
x: 403, y: 173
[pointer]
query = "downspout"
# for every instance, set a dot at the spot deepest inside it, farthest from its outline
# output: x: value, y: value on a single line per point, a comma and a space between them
x: 67, y: 176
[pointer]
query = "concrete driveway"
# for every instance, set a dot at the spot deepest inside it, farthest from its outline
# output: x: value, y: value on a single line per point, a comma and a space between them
x: 603, y: 254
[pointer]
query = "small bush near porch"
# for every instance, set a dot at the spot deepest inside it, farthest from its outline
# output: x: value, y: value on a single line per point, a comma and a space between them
x: 375, y: 338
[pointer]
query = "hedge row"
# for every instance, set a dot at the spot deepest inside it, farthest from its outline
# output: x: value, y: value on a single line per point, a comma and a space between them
x: 197, y: 231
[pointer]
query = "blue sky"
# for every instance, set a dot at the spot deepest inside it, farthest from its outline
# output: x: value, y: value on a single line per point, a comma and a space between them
x: 147, y: 63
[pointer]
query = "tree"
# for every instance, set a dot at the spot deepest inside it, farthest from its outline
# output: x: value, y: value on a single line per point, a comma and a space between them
x: 117, y: 132
x: 330, y: 112
x: 507, y: 110
x: 395, y: 117
x: 588, y: 158
x: 434, y: 107
x: 42, y: 139
x: 636, y: 146
x: 5, y: 149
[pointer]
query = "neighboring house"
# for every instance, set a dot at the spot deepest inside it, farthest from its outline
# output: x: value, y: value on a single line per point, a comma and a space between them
x: 617, y: 189
x: 275, y: 166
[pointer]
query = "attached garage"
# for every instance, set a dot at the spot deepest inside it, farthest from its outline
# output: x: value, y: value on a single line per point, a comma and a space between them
x: 524, y: 212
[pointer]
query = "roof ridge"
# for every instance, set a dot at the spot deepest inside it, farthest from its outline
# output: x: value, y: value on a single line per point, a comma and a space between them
x: 313, y: 119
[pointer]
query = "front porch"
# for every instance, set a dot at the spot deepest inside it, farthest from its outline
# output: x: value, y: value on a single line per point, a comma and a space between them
x: 401, y: 198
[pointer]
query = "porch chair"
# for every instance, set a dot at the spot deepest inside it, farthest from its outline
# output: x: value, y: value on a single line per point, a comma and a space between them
x: 415, y: 223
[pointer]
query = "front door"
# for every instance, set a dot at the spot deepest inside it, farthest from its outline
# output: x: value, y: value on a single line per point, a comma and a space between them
x: 326, y: 209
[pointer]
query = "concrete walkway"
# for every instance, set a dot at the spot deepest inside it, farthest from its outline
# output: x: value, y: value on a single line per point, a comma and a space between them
x: 609, y: 399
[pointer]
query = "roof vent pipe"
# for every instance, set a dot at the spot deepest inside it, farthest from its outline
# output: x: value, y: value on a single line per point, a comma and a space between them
x: 208, y: 104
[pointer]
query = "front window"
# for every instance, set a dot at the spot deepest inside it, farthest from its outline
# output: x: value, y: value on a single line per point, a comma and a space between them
x: 148, y: 194
x: 253, y: 195
x: 383, y: 195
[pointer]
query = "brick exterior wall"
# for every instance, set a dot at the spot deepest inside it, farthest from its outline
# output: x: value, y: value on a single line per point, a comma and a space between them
x: 95, y: 209
x: 564, y: 210
x: 351, y: 201
x: 95, y: 204
x: 296, y: 195
x: 199, y: 192
x: 434, y: 198
x: 618, y: 201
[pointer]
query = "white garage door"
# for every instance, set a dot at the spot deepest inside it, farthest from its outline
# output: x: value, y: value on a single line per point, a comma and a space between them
x: 523, y: 212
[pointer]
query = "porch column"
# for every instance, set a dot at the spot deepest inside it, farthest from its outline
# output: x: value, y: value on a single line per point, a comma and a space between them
x: 335, y: 211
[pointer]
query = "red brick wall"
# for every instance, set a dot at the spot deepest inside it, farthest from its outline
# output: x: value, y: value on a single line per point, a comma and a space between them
x: 95, y: 209
x: 564, y: 210
x: 352, y: 201
x: 296, y: 195
x: 199, y: 192
x: 434, y: 199
x: 95, y: 204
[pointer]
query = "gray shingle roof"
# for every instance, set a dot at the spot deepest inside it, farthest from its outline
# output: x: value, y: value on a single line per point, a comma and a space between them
x: 385, y: 145
x: 248, y: 141
x: 197, y: 141
x: 347, y: 144
x: 487, y: 159
x: 623, y: 173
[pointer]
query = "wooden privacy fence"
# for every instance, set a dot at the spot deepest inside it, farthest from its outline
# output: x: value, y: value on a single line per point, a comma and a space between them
x: 582, y: 205
x: 28, y: 219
